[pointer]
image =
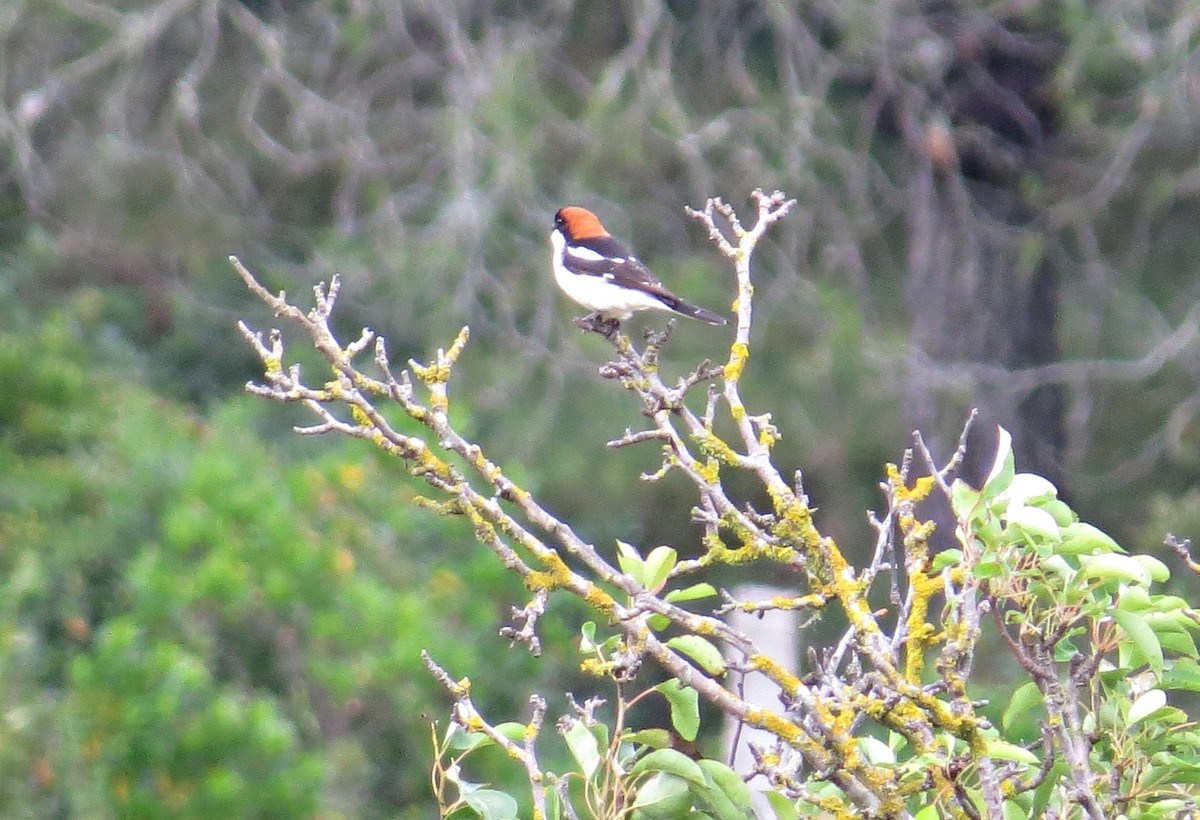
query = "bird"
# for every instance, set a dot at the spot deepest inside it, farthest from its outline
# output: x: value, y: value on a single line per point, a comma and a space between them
x: 599, y: 273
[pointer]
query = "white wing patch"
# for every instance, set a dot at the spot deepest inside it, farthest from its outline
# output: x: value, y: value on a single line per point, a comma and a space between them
x: 587, y: 254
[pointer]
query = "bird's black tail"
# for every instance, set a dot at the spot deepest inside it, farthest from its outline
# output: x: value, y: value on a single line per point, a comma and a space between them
x: 680, y: 306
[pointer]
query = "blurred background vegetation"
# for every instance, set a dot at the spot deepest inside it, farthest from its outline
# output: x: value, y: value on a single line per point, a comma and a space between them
x: 205, y: 615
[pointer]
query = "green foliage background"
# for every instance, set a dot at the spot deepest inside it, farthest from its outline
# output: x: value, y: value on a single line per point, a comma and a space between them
x: 203, y: 614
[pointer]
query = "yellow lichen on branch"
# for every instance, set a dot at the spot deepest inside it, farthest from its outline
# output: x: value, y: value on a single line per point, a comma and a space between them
x: 739, y: 353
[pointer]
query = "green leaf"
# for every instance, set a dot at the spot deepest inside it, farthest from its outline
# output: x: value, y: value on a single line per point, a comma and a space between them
x: 1003, y: 750
x: 1157, y: 569
x: 1183, y: 674
x: 1134, y: 599
x: 1014, y: 810
x: 1113, y: 567
x: 987, y: 533
x: 1139, y: 632
x: 1065, y: 650
x: 631, y: 562
x: 659, y: 564
x: 587, y: 639
x: 875, y: 750
x: 701, y: 651
x: 670, y: 761
x: 784, y: 809
x: 1058, y: 566
x: 583, y: 746
x: 654, y: 738
x: 987, y: 569
x: 1175, y: 769
x: 964, y: 499
x: 513, y: 731
x: 459, y: 739
x: 1025, y: 699
x: 491, y: 804
x: 1034, y: 524
x: 946, y: 558
x: 727, y: 780
x: 662, y: 796
x: 1026, y: 487
x: 1172, y: 603
x: 692, y: 593
x: 1084, y: 539
x: 658, y: 622
x: 1181, y: 643
x: 1063, y: 515
x: 599, y: 731
x: 1003, y: 468
x: 732, y: 798
x: 685, y: 707
x: 1174, y: 718
x: 1146, y: 704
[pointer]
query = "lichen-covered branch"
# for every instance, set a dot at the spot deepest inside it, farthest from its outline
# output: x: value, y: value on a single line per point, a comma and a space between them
x: 505, y: 517
x: 900, y: 672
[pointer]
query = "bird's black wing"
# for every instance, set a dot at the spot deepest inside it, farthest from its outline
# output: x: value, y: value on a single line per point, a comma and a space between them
x: 616, y: 265
x: 610, y: 261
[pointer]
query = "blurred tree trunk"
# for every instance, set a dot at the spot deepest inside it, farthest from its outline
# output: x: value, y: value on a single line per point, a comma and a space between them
x: 977, y: 288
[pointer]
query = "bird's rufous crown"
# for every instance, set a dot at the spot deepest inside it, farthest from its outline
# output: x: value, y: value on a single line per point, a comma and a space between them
x: 581, y: 223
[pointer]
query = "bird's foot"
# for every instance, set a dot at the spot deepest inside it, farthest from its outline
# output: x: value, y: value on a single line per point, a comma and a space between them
x: 596, y: 323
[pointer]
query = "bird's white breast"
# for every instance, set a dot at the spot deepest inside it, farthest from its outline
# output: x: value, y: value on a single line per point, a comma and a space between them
x: 597, y: 293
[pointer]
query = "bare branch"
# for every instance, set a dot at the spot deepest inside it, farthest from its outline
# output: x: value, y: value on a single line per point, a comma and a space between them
x: 527, y: 617
x: 1182, y: 548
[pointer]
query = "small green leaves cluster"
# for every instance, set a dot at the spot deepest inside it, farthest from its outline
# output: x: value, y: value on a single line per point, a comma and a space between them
x: 614, y: 770
x: 640, y: 775
x: 469, y: 798
x: 1104, y: 651
x: 611, y: 772
x: 652, y: 574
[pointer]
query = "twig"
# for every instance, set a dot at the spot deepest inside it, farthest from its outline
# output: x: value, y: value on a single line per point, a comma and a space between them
x: 1182, y: 548
x: 467, y: 716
